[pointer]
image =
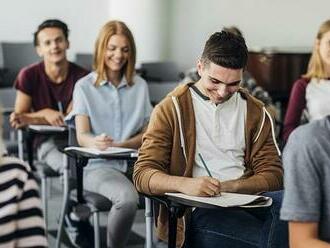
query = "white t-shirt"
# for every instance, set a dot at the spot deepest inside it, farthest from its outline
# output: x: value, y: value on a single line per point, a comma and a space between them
x: 220, y: 137
x: 318, y: 98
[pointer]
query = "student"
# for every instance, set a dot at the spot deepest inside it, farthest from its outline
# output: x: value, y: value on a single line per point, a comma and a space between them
x: 234, y: 133
x: 111, y: 107
x: 306, y: 203
x: 311, y: 91
x: 248, y: 81
x: 21, y: 220
x: 44, y: 89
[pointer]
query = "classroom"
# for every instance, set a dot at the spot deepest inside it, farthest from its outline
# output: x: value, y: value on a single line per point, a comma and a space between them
x: 165, y: 123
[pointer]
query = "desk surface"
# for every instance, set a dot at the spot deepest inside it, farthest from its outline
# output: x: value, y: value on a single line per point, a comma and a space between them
x: 132, y: 156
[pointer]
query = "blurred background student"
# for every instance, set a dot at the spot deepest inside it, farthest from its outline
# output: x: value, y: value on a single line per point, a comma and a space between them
x: 309, y: 98
x: 111, y: 107
x: 44, y: 89
x: 21, y: 219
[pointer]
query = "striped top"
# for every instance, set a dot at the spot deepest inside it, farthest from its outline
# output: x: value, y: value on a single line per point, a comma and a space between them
x: 21, y: 218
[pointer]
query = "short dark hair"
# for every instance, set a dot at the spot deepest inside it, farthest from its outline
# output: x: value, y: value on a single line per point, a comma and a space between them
x: 51, y: 23
x: 225, y: 49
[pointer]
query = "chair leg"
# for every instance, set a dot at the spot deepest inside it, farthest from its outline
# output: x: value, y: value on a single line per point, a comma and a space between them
x: 44, y: 200
x: 96, y: 222
x: 149, y: 222
x: 65, y: 204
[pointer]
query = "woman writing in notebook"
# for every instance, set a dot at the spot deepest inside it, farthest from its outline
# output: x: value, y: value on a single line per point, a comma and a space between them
x: 111, y: 108
x: 310, y: 93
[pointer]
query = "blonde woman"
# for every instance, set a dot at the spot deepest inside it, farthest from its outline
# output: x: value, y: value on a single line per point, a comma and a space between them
x: 311, y: 92
x: 111, y: 107
x: 21, y: 220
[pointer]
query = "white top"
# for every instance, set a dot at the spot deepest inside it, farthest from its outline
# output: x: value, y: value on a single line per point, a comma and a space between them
x: 318, y: 98
x: 220, y: 137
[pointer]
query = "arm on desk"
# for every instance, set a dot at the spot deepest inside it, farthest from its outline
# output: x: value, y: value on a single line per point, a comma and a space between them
x: 133, y: 142
x: 161, y: 183
x: 304, y: 235
x: 22, y: 115
x: 103, y: 141
x: 85, y: 137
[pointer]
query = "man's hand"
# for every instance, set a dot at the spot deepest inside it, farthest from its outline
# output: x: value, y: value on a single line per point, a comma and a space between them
x: 201, y: 186
x: 53, y: 117
x: 102, y: 141
x: 19, y: 120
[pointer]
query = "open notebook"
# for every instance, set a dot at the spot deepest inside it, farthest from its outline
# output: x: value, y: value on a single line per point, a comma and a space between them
x: 108, y: 151
x: 225, y: 200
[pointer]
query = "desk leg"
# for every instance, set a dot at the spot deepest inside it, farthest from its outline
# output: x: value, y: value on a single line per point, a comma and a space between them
x: 149, y: 222
x: 29, y: 149
x: 81, y: 163
x: 64, y: 210
x: 20, y: 144
x: 172, y: 225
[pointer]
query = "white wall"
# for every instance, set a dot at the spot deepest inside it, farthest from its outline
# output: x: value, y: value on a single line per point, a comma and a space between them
x: 282, y: 23
x: 147, y: 20
x: 170, y: 29
x: 20, y: 18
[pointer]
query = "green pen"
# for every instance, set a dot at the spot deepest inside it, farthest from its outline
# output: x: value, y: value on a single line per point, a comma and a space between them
x: 203, y: 162
x: 207, y: 169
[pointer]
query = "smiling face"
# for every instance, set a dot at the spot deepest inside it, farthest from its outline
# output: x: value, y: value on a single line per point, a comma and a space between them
x: 217, y: 82
x: 117, y: 52
x: 324, y: 48
x: 52, y: 45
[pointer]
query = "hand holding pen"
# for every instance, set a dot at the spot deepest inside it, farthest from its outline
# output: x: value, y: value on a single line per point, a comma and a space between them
x: 200, y: 186
x: 207, y: 170
x: 103, y: 141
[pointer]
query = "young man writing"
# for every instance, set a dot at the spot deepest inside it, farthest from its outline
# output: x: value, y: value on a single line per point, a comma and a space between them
x: 234, y: 133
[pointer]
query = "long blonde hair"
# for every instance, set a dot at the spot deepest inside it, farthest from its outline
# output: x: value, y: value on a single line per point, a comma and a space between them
x: 109, y: 29
x: 316, y: 66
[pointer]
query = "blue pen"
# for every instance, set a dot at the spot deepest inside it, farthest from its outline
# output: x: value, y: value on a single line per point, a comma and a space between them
x: 60, y: 107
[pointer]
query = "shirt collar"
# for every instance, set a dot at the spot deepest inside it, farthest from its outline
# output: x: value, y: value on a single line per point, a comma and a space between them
x: 122, y: 83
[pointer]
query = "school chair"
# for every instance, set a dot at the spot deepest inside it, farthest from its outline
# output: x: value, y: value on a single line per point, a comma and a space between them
x: 73, y: 189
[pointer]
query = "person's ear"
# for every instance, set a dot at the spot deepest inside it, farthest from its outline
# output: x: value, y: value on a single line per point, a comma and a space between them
x: 39, y: 51
x: 200, y: 67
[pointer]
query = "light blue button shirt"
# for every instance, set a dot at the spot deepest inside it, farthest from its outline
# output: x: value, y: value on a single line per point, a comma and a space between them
x: 120, y: 112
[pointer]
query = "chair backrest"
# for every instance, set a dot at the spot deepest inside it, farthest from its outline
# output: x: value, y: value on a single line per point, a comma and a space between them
x: 160, y: 71
x: 85, y: 60
x: 16, y: 55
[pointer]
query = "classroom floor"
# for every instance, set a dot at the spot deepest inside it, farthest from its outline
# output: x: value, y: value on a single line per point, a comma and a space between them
x: 137, y: 236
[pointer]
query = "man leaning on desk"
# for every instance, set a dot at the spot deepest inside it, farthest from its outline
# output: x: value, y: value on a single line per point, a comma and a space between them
x: 44, y: 89
x: 233, y: 132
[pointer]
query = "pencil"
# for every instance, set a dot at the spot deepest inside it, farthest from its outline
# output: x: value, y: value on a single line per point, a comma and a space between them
x: 203, y: 162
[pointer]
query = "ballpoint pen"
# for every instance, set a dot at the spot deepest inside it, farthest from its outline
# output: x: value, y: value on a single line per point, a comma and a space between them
x: 60, y: 107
